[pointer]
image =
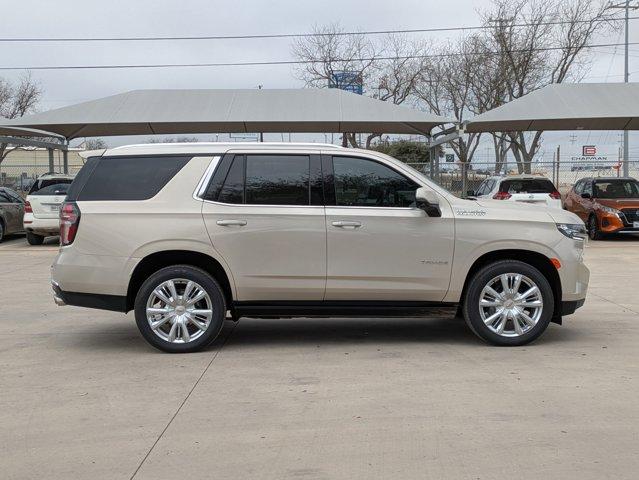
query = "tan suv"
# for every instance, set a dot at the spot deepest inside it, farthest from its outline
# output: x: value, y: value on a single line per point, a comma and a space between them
x: 188, y: 235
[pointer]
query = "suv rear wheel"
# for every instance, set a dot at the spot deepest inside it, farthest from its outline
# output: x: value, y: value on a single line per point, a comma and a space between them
x: 180, y: 309
x: 508, y: 303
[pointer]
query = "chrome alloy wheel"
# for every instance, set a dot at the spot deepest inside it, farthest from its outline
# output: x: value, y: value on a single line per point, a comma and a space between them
x: 511, y: 304
x: 179, y: 310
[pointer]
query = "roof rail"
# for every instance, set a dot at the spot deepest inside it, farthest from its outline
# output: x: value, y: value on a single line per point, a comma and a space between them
x: 233, y: 144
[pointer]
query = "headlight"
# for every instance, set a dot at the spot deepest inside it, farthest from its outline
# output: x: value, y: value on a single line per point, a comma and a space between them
x: 611, y: 210
x: 572, y: 230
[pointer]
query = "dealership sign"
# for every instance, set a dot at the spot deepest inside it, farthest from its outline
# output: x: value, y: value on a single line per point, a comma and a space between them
x: 589, y: 153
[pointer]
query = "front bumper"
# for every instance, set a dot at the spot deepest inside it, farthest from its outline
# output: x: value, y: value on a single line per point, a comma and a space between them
x: 568, y: 308
x: 612, y: 223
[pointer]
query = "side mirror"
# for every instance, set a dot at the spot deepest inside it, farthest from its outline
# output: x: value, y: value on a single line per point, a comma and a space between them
x: 428, y: 201
x: 586, y: 195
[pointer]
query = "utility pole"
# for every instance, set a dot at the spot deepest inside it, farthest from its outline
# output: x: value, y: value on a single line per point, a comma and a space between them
x: 259, y: 87
x: 626, y: 147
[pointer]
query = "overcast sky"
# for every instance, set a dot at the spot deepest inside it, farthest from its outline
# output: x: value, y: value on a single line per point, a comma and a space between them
x: 92, y: 18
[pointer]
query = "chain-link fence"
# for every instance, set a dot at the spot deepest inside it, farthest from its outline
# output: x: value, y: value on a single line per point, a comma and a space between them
x: 464, y: 178
x: 20, y: 177
x: 22, y: 166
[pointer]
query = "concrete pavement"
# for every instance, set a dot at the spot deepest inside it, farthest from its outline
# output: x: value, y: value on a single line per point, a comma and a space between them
x: 83, y: 396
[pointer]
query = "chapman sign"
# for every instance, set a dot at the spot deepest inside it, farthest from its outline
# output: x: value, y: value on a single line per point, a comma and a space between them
x: 589, y: 154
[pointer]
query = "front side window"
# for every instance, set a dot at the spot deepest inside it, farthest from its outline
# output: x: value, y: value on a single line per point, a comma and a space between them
x: 4, y: 198
x: 13, y: 196
x: 579, y: 187
x: 361, y: 182
x: 587, y: 188
x: 483, y: 188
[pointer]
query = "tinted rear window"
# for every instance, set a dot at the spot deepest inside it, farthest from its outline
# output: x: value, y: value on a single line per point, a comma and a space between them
x: 127, y: 178
x: 277, y: 179
x: 541, y: 185
x: 232, y: 190
x: 265, y: 180
x: 51, y: 186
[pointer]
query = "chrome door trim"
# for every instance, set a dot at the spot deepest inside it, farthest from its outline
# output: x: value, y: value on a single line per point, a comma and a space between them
x: 206, y: 178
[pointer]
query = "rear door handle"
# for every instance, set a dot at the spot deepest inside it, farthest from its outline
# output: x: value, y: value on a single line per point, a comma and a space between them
x: 230, y: 223
x: 346, y: 224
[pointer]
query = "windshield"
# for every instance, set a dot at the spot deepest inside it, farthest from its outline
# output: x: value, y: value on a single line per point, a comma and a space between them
x: 51, y: 186
x: 616, y: 189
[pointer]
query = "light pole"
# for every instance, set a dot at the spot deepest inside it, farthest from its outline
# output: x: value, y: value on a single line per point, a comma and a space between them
x: 626, y: 147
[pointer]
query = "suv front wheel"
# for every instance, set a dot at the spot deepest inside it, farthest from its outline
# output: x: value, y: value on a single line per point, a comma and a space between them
x: 508, y: 303
x: 180, y: 309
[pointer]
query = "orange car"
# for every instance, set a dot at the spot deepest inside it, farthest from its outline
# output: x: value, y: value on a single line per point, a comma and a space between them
x: 606, y: 205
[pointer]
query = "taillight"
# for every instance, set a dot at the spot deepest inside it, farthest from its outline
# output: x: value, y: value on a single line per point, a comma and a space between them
x: 502, y: 196
x: 69, y: 221
x: 556, y: 195
x: 28, y: 208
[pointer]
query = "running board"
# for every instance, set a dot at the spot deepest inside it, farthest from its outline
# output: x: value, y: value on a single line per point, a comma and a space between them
x: 279, y: 309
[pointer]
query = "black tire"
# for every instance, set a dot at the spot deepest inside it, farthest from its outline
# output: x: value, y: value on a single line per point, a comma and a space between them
x: 1, y: 231
x: 593, y: 228
x: 482, y: 278
x: 34, y: 239
x: 186, y: 272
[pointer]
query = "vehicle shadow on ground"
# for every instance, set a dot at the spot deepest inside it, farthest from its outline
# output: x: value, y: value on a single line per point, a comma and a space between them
x: 617, y: 238
x: 311, y: 332
x: 349, y: 331
x: 17, y: 238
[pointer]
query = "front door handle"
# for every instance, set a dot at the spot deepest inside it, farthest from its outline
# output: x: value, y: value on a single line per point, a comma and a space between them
x: 231, y: 223
x: 345, y: 224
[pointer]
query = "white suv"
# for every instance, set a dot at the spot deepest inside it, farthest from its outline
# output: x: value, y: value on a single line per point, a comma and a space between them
x: 42, y: 209
x: 536, y: 190
x: 188, y: 235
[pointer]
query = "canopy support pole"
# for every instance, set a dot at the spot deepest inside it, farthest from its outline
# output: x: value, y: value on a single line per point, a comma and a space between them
x: 51, y: 164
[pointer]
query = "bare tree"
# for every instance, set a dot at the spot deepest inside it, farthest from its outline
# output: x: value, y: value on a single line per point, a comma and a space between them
x: 388, y: 69
x: 535, y: 50
x: 17, y: 99
x: 330, y: 51
x: 446, y: 88
x: 173, y: 140
x: 95, y: 144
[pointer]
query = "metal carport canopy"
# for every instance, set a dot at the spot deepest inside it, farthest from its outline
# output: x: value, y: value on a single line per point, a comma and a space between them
x: 579, y: 106
x: 151, y: 112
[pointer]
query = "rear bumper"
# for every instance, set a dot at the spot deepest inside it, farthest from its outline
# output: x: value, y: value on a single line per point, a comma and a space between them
x: 41, y: 226
x: 114, y: 303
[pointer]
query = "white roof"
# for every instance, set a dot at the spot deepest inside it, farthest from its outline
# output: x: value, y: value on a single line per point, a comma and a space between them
x: 150, y: 112
x: 578, y: 106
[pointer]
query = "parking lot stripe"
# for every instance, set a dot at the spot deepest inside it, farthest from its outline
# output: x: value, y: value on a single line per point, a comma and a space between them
x: 217, y: 352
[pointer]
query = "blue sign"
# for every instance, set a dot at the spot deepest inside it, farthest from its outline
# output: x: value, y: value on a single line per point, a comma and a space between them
x: 349, y: 81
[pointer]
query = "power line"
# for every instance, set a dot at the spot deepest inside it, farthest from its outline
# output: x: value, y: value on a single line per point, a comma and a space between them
x: 295, y: 62
x: 297, y: 35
